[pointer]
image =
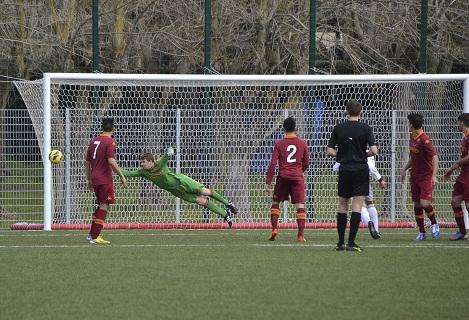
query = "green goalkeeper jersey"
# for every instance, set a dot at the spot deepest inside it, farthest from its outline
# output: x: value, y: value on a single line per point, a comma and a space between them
x: 164, y: 178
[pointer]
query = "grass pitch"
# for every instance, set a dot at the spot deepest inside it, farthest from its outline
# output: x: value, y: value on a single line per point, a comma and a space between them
x: 230, y: 275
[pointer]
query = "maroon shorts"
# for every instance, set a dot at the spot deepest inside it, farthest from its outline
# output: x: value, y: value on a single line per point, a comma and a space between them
x: 287, y: 188
x: 461, y: 189
x: 105, y: 193
x: 421, y: 189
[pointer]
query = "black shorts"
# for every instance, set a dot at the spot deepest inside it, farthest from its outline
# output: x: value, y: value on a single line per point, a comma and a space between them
x: 354, y: 182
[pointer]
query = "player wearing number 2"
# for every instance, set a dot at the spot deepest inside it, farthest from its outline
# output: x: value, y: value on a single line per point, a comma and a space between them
x: 292, y: 155
x: 99, y: 163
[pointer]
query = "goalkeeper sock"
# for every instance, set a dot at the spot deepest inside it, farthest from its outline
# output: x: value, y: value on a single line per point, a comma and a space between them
x: 354, y: 224
x: 216, y: 209
x: 419, y: 219
x: 215, y: 195
x: 274, y: 214
x: 300, y: 220
x: 365, y: 216
x: 459, y: 217
x: 373, y: 216
x: 99, y: 217
x: 341, y: 225
x: 430, y: 213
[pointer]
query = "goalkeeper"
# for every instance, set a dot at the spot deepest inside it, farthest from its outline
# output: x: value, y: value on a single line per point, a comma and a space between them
x: 181, y: 185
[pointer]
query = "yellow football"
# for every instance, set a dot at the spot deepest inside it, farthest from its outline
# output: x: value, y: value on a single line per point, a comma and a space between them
x: 55, y: 156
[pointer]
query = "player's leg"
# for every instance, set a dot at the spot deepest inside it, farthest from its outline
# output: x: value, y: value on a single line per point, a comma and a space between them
x: 373, y: 214
x: 344, y: 191
x: 426, y: 195
x: 274, y: 215
x: 220, y: 198
x: 418, y: 211
x: 365, y: 216
x: 281, y: 191
x: 360, y: 189
x: 298, y: 198
x: 105, y: 196
x: 456, y: 201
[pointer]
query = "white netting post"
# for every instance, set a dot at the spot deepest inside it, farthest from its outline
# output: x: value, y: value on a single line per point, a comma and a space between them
x: 46, y: 163
x: 393, y: 166
x: 68, y: 189
x: 466, y: 110
x: 178, y: 160
x: 285, y: 203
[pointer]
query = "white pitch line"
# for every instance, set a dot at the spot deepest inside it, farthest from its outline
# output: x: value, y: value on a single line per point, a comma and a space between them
x: 313, y: 233
x: 260, y: 245
x: 383, y: 246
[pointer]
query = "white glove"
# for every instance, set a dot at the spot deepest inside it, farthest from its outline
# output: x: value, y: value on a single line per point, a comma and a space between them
x: 169, y: 151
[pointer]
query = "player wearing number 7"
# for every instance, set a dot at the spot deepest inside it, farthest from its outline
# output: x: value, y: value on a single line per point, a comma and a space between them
x: 292, y: 155
x: 180, y: 185
x: 99, y: 163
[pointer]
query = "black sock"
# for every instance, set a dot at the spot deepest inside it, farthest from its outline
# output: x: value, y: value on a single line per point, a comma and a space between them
x: 341, y: 225
x: 354, y: 225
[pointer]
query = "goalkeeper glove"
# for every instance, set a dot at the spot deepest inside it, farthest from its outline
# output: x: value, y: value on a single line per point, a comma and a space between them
x: 169, y: 151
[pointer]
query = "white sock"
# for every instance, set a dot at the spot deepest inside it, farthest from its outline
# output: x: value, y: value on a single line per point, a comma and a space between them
x: 373, y: 216
x: 365, y: 216
x: 466, y: 218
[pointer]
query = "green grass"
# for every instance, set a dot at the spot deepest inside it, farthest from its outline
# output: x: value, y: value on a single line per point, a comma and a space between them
x: 172, y: 274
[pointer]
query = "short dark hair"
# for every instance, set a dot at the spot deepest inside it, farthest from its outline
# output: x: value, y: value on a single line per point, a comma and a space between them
x: 416, y: 120
x: 148, y: 157
x: 354, y: 108
x: 289, y: 124
x: 463, y: 116
x: 107, y: 124
x: 465, y: 122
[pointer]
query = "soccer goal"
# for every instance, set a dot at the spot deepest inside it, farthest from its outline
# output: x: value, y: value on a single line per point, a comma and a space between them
x: 223, y: 128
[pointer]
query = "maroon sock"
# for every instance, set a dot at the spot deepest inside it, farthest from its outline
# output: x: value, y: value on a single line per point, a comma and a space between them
x: 300, y: 220
x: 459, y: 217
x: 274, y: 214
x: 99, y: 217
x: 430, y: 213
x: 419, y: 218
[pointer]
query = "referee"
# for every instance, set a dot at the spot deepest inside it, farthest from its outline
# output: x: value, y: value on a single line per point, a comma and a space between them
x: 348, y: 144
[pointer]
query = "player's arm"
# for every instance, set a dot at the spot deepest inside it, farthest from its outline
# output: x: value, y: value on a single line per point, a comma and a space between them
x: 456, y: 166
x: 271, y: 170
x: 132, y: 173
x: 331, y: 150
x: 88, y: 170
x: 305, y: 160
x: 370, y: 139
x: 115, y: 167
x: 163, y: 160
x: 406, y: 167
x: 430, y: 150
x: 435, y: 165
x: 376, y: 175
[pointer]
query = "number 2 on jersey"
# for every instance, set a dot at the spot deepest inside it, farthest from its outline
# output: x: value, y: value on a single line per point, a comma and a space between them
x: 96, y: 149
x: 292, y: 149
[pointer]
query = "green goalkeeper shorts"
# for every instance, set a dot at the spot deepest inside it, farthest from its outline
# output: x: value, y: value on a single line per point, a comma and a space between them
x: 188, y: 189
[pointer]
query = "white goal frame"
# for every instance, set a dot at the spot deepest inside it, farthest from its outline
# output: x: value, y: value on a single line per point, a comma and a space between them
x: 50, y: 77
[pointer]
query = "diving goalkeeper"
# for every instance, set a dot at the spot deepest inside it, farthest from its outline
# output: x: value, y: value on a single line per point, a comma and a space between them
x: 181, y: 185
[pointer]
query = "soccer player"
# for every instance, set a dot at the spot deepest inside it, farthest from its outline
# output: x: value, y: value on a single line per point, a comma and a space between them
x: 99, y: 163
x: 423, y: 165
x: 461, y: 186
x: 180, y: 185
x: 292, y: 155
x: 369, y: 215
x: 348, y: 144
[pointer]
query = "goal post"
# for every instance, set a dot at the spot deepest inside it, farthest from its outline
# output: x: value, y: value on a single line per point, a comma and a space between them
x: 222, y: 128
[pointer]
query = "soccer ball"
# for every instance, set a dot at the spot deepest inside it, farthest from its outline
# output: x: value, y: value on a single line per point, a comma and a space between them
x: 55, y: 156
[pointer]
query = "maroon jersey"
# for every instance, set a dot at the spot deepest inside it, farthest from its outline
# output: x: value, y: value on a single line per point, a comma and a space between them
x: 464, y: 175
x: 292, y: 156
x: 421, y: 155
x: 100, y: 149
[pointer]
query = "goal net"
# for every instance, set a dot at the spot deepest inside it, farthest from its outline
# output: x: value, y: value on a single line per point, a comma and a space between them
x: 223, y: 129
